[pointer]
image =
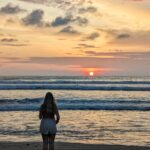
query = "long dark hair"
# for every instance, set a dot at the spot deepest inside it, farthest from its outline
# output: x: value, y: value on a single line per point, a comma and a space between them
x: 49, y: 102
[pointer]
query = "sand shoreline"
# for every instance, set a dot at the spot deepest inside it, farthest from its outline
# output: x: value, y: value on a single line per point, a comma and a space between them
x: 66, y: 146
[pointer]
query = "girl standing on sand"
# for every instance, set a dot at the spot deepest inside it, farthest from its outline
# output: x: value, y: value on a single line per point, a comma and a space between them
x: 49, y: 116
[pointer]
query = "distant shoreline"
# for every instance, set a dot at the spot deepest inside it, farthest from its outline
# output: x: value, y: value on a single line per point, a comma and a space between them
x: 66, y: 146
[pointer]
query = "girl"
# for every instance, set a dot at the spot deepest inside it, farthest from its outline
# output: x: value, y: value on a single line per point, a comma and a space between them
x: 49, y: 116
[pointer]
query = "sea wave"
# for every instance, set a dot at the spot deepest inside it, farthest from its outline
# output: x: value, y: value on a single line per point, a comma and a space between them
x: 74, y: 87
x: 34, y: 104
x: 71, y: 82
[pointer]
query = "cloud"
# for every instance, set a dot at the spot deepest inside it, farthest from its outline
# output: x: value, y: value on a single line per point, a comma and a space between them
x: 42, y: 1
x: 87, y: 59
x: 116, y: 65
x: 117, y: 34
x: 34, y: 18
x: 122, y: 55
x: 8, y: 40
x: 59, y: 60
x: 89, y: 9
x: 86, y: 46
x: 92, y: 36
x: 15, y: 45
x: 123, y: 36
x: 69, y: 30
x: 61, y: 21
x: 63, y: 4
x: 136, y: 0
x: 96, y: 61
x: 11, y: 9
x: 36, y: 1
x: 128, y: 38
x: 81, y: 20
x: 12, y: 42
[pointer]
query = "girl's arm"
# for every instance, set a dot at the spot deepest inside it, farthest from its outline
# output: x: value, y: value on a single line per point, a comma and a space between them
x: 57, y: 115
x: 40, y: 113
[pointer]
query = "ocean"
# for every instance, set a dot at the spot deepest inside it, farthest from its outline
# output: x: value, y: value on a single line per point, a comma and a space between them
x: 101, y: 110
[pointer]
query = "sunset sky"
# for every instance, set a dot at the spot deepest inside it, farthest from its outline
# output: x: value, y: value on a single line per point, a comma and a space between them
x: 74, y: 37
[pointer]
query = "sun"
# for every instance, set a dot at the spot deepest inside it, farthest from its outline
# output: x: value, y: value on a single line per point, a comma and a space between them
x: 91, y: 73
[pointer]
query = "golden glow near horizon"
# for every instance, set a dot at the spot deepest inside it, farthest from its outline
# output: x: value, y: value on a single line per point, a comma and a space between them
x: 75, y: 32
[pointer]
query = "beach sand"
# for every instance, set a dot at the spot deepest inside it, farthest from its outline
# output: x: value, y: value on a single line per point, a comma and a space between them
x: 66, y: 146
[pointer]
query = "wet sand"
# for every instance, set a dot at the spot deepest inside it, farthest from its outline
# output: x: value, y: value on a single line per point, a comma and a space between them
x: 66, y: 146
